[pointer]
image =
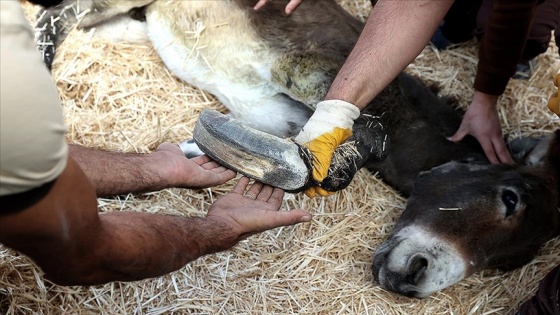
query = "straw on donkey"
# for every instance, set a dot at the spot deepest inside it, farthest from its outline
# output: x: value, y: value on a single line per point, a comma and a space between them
x: 121, y: 97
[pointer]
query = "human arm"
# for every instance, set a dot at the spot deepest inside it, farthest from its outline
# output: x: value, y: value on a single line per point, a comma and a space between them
x: 395, y: 33
x: 481, y: 120
x: 500, y: 51
x: 75, y: 245
x: 290, y: 7
x: 113, y: 173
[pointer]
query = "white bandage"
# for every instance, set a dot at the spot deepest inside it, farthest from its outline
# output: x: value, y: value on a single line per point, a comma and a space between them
x: 327, y: 116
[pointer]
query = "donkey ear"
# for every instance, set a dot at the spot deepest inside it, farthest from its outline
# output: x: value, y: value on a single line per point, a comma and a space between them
x: 542, y: 151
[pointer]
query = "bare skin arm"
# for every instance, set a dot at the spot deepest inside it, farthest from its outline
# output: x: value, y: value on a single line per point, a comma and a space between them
x: 113, y: 173
x: 74, y: 245
x: 395, y: 33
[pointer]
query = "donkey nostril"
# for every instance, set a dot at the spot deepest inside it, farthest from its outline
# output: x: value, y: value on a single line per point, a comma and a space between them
x: 416, y: 269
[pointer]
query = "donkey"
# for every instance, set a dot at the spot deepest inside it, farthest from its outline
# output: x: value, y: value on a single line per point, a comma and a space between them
x: 269, y: 69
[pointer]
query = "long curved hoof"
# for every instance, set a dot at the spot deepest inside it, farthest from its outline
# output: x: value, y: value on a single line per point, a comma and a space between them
x: 269, y: 159
x: 281, y: 162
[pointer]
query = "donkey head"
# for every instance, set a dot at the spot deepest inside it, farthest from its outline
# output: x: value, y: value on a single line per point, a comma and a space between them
x: 462, y: 218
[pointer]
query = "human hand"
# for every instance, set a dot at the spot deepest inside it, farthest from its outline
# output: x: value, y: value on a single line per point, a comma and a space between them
x: 290, y: 7
x: 329, y: 126
x: 198, y: 172
x: 482, y: 122
x: 240, y: 214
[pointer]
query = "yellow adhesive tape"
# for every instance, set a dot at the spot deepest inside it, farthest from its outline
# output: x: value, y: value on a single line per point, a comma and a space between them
x: 323, y: 148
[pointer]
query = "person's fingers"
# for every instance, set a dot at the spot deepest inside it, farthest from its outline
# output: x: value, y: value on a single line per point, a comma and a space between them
x: 169, y: 146
x: 241, y: 185
x: 220, y: 178
x: 210, y: 165
x: 225, y: 173
x: 214, y: 167
x: 217, y: 169
x: 201, y: 159
x: 260, y: 4
x: 292, y: 5
x: 502, y: 152
x: 277, y: 196
x: 488, y: 149
x: 458, y: 136
x: 265, y: 193
x: 273, y: 219
x: 254, y: 190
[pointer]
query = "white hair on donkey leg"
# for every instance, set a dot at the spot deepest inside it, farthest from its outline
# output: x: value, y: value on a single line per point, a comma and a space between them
x: 192, y: 46
x: 123, y: 29
x: 190, y: 149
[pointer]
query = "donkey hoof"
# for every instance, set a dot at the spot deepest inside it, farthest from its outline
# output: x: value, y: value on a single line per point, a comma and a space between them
x: 269, y: 159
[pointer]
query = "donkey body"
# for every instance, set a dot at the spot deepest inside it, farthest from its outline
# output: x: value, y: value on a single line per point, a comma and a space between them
x: 269, y: 70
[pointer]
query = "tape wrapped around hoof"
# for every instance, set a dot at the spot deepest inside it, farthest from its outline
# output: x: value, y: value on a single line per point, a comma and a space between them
x: 281, y: 162
x: 369, y: 143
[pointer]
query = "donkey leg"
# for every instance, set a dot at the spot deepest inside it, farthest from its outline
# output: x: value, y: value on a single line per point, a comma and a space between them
x: 54, y: 24
x: 305, y: 77
x: 368, y: 143
x: 276, y: 115
x: 280, y: 162
x: 190, y: 148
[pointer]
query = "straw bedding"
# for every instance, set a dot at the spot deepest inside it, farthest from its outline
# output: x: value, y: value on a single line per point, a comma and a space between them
x: 121, y: 97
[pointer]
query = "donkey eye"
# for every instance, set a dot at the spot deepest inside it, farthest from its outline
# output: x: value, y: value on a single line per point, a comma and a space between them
x: 510, y: 199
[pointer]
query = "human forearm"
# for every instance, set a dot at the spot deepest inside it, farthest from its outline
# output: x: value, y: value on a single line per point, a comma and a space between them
x: 113, y: 173
x: 502, y: 44
x: 131, y: 246
x: 395, y: 33
x: 75, y: 245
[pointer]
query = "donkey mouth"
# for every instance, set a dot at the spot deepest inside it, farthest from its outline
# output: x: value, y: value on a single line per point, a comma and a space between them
x: 281, y: 162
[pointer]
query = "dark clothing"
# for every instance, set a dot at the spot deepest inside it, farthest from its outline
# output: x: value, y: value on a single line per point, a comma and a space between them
x: 546, y: 300
x: 514, y: 31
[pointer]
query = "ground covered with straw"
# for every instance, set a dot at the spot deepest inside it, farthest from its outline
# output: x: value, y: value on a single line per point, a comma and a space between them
x: 121, y: 97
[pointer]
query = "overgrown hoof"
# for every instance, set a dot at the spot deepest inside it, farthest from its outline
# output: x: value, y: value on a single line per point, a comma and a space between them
x: 281, y: 162
x: 269, y: 159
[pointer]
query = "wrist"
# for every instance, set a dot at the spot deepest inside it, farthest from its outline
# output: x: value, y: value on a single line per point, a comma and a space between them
x: 159, y: 163
x: 214, y: 236
x: 485, y: 99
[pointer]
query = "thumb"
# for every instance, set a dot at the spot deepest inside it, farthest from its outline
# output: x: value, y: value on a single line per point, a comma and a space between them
x: 458, y: 136
x: 285, y: 218
x: 169, y: 146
